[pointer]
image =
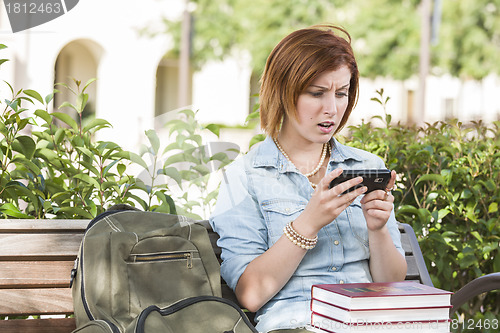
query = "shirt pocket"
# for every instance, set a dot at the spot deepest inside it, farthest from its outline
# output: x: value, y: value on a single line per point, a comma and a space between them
x: 278, y: 212
x: 357, y: 221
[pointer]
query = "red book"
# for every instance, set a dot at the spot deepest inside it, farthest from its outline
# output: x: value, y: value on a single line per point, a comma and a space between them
x: 390, y: 295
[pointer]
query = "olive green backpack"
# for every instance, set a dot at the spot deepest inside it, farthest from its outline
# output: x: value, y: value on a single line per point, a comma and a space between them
x: 150, y: 272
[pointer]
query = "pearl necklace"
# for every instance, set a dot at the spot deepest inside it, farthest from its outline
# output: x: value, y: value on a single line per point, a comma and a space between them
x: 326, y: 147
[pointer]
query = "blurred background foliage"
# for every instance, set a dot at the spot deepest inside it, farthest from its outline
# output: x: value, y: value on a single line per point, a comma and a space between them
x: 386, y: 33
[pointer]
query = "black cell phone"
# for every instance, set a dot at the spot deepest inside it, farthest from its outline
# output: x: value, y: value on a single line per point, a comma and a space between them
x: 373, y: 179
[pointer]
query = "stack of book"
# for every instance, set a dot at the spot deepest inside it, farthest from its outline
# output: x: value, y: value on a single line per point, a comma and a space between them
x: 366, y: 307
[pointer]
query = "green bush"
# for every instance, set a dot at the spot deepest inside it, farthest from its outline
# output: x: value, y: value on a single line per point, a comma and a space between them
x: 51, y: 166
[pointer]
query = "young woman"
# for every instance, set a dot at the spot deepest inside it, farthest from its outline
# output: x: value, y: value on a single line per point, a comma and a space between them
x: 282, y: 229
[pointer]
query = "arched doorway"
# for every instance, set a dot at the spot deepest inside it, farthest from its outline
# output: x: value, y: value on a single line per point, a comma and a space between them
x: 77, y: 61
x: 167, y: 90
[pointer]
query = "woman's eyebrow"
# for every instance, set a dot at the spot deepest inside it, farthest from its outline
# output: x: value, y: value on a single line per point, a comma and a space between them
x: 317, y: 86
x: 323, y: 87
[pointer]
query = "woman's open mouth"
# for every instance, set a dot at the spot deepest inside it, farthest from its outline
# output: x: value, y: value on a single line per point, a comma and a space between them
x: 326, y: 127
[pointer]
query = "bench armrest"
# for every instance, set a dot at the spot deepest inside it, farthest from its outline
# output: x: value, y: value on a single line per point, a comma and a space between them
x: 477, y: 286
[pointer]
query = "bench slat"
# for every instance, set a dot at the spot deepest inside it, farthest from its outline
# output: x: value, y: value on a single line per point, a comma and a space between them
x: 35, y: 274
x: 405, y: 242
x: 36, y: 226
x: 412, y: 271
x: 35, y: 301
x: 59, y: 325
x: 36, y: 246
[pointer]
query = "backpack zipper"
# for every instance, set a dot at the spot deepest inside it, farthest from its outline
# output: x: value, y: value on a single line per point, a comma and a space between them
x: 188, y: 256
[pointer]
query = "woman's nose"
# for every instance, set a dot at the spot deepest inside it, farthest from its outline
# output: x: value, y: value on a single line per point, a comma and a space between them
x: 330, y: 106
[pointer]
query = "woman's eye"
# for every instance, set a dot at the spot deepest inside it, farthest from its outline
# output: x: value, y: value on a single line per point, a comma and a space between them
x: 316, y: 93
x: 341, y: 94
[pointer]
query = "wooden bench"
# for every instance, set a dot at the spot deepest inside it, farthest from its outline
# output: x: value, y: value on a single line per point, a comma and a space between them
x: 36, y: 257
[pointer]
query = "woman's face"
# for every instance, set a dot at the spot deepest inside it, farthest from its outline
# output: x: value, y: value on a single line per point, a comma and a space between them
x: 320, y: 108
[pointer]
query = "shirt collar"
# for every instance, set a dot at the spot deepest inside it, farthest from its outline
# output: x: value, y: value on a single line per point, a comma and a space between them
x: 268, y: 155
x: 341, y: 153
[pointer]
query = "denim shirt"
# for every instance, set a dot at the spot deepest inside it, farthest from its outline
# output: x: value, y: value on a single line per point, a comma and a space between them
x: 260, y: 193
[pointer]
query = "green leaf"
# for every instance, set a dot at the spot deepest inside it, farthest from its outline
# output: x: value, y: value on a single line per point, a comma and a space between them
x: 167, y: 204
x: 467, y: 258
x: 121, y: 168
x: 172, y: 173
x: 442, y: 213
x: 407, y: 209
x: 86, y: 152
x: 44, y: 115
x: 202, y: 169
x: 493, y: 207
x: 477, y: 235
x: 27, y: 163
x: 89, y: 82
x: 180, y: 157
x: 100, y: 123
x: 10, y: 210
x: 81, y: 101
x: 106, y: 169
x: 433, y: 178
x: 76, y: 212
x: 220, y: 156
x: 136, y: 159
x: 253, y: 115
x: 50, y: 96
x: 59, y: 136
x: 178, y: 126
x: 25, y: 145
x: 214, y: 129
x: 87, y: 179
x: 89, y: 167
x: 153, y: 140
x: 189, y: 113
x: 34, y: 94
x: 256, y: 139
x: 47, y: 154
x: 66, y: 86
x: 66, y: 118
x: 69, y: 105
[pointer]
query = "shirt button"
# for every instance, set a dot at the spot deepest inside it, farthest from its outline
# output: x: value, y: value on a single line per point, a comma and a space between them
x: 341, y: 281
x: 287, y: 210
x: 334, y: 269
x: 336, y: 242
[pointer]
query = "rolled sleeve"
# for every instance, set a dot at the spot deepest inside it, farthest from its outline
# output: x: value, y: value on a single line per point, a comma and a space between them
x: 240, y: 225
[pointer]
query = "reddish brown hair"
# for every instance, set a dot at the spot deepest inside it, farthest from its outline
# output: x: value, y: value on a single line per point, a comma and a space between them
x: 295, y: 63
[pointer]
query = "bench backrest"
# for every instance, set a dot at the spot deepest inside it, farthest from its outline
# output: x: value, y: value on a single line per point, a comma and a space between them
x: 36, y: 258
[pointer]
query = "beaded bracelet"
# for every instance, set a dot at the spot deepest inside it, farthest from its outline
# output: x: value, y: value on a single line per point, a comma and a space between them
x: 298, y: 239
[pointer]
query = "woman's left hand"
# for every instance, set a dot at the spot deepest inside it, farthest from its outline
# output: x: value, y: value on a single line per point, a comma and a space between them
x: 377, y: 205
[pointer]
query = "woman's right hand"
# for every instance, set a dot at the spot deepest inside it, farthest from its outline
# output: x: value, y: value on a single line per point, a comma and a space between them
x: 326, y: 203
